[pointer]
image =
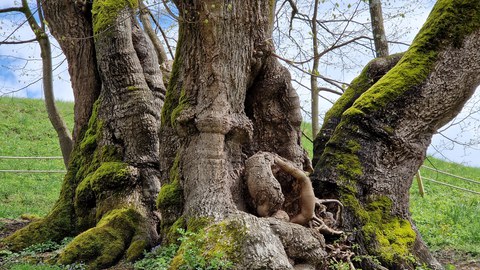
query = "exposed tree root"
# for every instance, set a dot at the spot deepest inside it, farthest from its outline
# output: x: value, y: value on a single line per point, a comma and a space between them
x: 340, y: 253
x: 268, y: 197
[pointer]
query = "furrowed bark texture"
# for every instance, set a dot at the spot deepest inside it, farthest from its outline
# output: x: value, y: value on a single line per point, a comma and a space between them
x: 109, y: 192
x: 228, y: 99
x: 369, y: 158
x: 71, y: 24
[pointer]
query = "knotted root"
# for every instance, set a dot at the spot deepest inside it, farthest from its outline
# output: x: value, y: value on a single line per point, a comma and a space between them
x: 269, y: 199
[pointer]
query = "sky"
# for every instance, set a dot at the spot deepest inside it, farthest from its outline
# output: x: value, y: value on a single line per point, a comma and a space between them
x: 20, y: 76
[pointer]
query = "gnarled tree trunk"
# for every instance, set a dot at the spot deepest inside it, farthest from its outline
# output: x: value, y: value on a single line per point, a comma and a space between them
x: 109, y: 192
x: 372, y: 145
x: 230, y: 120
x: 229, y: 98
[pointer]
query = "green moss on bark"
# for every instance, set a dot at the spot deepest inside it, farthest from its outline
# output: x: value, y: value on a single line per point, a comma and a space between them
x: 171, y: 194
x: 448, y: 24
x: 105, y: 12
x: 136, y: 249
x: 395, y: 236
x: 175, y: 99
x: 217, y: 244
x: 392, y: 237
x: 103, y: 245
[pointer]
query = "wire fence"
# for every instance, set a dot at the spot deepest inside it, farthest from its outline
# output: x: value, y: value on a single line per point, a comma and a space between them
x: 419, y: 178
x: 32, y: 171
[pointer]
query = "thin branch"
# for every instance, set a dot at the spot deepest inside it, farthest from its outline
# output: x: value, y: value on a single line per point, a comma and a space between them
x: 170, y: 11
x: 41, y: 17
x: 18, y: 42
x: 20, y: 25
x: 163, y: 33
x: 11, y: 9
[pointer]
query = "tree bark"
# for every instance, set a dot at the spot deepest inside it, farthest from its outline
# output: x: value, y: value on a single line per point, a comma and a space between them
x: 230, y: 114
x: 313, y: 77
x: 70, y: 23
x: 369, y: 157
x: 228, y: 99
x: 378, y: 30
x: 108, y: 195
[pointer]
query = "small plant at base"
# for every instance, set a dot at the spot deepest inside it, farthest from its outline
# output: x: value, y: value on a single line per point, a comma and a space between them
x: 42, y: 247
x: 158, y: 258
x: 31, y: 259
x: 333, y: 264
x: 194, y: 259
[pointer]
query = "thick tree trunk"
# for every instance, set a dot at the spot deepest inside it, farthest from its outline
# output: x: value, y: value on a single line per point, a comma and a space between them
x: 110, y: 188
x: 228, y: 99
x: 368, y: 158
x: 71, y: 24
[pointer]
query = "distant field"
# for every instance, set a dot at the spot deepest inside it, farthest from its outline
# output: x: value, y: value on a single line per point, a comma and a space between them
x: 447, y: 218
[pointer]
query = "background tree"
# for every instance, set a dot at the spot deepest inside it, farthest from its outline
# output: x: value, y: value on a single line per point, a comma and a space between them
x: 39, y: 30
x: 230, y: 103
x: 378, y: 30
x: 341, y: 36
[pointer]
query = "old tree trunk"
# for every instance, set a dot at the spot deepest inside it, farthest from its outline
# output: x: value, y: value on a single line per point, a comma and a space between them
x: 223, y: 155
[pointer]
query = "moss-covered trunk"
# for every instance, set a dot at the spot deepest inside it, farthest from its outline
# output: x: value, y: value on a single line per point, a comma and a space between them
x: 108, y: 195
x: 227, y: 152
x: 228, y: 99
x: 372, y: 145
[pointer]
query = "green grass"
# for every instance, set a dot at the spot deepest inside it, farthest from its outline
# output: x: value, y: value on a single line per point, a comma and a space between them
x: 307, y: 138
x: 447, y: 218
x: 26, y: 131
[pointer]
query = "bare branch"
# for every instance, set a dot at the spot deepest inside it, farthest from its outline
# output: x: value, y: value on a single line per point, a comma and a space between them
x: 170, y: 11
x: 18, y: 42
x: 11, y: 9
x: 163, y: 34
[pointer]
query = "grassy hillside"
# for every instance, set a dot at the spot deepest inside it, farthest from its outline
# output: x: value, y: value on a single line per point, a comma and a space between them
x: 26, y: 131
x: 447, y: 218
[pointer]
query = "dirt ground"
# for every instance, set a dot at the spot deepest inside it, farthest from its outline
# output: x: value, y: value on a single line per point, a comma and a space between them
x: 447, y: 257
x: 459, y: 260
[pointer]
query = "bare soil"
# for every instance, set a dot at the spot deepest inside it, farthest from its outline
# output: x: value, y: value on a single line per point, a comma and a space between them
x: 8, y: 226
x: 461, y: 261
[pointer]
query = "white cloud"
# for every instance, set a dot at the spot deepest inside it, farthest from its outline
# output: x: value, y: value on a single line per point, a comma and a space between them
x: 21, y: 66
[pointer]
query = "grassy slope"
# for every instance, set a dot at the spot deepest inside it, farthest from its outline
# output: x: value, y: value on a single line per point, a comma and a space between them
x: 26, y: 131
x: 447, y: 218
